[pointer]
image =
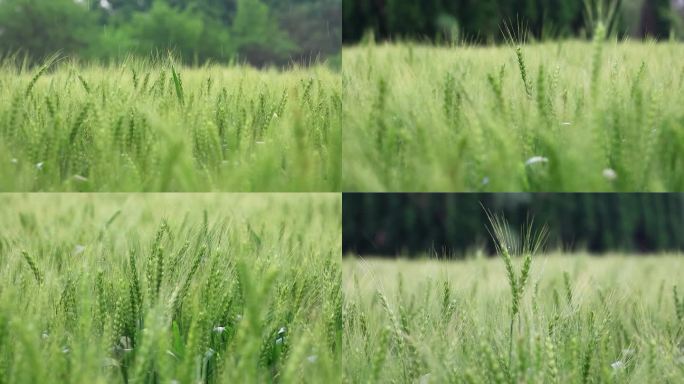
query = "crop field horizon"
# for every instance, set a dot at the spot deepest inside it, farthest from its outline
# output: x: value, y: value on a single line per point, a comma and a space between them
x: 580, y: 319
x: 162, y: 288
x: 152, y: 126
x: 570, y: 115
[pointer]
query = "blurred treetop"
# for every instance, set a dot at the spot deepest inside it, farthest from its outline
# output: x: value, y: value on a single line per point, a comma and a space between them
x: 390, y: 224
x: 260, y: 32
x: 483, y: 20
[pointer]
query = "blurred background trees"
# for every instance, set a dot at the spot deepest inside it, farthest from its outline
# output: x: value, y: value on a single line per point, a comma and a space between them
x: 260, y: 32
x: 455, y: 224
x: 482, y: 20
x: 42, y: 27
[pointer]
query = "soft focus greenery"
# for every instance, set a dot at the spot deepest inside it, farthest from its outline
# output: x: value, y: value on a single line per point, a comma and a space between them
x: 260, y: 32
x: 152, y: 288
x: 480, y: 21
x: 582, y: 320
x: 562, y: 116
x: 156, y: 126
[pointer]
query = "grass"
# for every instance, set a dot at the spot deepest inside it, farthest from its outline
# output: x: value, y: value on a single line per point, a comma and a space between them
x: 581, y: 116
x: 163, y: 288
x: 153, y: 126
x: 582, y: 319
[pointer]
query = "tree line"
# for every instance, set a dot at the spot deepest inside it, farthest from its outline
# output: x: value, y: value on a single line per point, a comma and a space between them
x: 260, y: 32
x: 456, y: 224
x: 482, y: 20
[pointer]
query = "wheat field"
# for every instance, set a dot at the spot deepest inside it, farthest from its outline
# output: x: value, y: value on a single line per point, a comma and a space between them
x: 552, y: 117
x: 101, y: 288
x: 582, y: 320
x: 149, y: 125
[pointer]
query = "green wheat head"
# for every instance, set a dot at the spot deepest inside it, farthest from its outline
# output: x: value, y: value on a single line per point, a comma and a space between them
x: 507, y: 246
x: 34, y: 268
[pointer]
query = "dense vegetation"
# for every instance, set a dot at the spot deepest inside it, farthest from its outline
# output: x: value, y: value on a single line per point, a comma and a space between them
x: 170, y: 289
x: 388, y: 224
x: 260, y: 32
x: 568, y: 320
x: 480, y: 21
x: 563, y: 116
x: 155, y: 126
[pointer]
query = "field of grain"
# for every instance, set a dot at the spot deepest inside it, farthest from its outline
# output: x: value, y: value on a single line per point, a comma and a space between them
x: 170, y: 289
x: 553, y: 116
x: 154, y: 126
x: 581, y: 319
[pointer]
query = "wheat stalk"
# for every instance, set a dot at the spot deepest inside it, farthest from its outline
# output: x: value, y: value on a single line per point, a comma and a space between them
x: 506, y: 247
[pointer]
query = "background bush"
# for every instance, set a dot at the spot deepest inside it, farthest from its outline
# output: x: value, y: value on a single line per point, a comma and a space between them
x: 482, y: 20
x: 261, y: 32
x: 385, y: 224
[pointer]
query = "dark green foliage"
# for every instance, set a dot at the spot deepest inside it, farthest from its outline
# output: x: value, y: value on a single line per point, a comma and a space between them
x: 387, y: 224
x: 40, y: 28
x: 193, y: 36
x: 481, y: 20
x: 198, y: 31
x: 656, y: 19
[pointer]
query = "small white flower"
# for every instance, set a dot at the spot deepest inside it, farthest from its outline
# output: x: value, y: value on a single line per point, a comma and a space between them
x: 282, y: 331
x: 485, y: 181
x: 14, y: 160
x: 425, y: 378
x: 275, y: 115
x: 312, y: 358
x: 39, y: 166
x: 610, y: 174
x: 45, y: 335
x: 536, y: 160
x: 219, y: 329
x: 618, y: 365
x: 78, y: 249
x: 566, y: 123
x: 209, y: 353
x: 80, y: 178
